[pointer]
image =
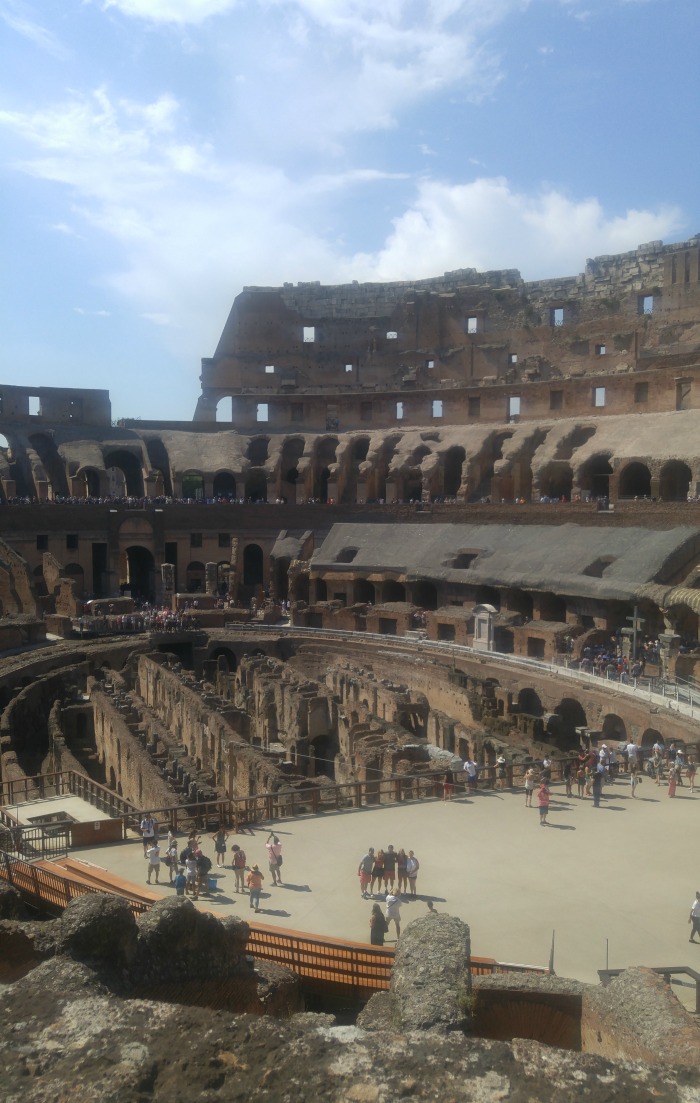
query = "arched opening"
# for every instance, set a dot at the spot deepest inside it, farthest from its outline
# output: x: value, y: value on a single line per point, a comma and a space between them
x: 595, y: 476
x: 614, y: 728
x: 91, y: 482
x: 393, y: 591
x: 650, y: 737
x: 452, y: 478
x: 224, y: 485
x: 140, y: 573
x: 572, y: 716
x: 491, y: 452
x: 325, y: 456
x: 321, y: 484
x: 77, y: 574
x: 425, y: 594
x: 364, y: 591
x: 517, y: 601
x: 258, y: 451
x: 557, y: 482
x: 193, y: 485
x: 4, y: 443
x: 160, y: 462
x: 358, y: 454
x: 413, y: 486
x: 130, y: 467
x: 674, y: 482
x: 225, y: 659
x: 224, y: 409
x: 635, y: 481
x: 529, y: 702
x: 52, y: 463
x: 256, y: 486
x: 253, y: 565
x: 195, y: 577
x: 292, y: 451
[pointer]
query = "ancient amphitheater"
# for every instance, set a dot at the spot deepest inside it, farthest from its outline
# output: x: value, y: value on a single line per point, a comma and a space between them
x: 408, y: 523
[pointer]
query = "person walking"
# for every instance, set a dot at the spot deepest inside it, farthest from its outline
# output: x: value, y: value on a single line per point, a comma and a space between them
x: 220, y: 838
x: 694, y: 917
x: 153, y: 855
x: 543, y: 798
x: 364, y: 872
x: 501, y: 772
x: 597, y: 786
x: 239, y: 863
x: 378, y: 926
x: 255, y: 883
x: 412, y: 867
x: 635, y: 780
x: 470, y: 769
x: 274, y: 857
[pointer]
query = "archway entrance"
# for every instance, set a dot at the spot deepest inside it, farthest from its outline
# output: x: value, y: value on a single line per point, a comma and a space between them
x: 140, y: 573
x: 635, y: 481
x: 674, y: 483
x: 253, y: 566
x: 129, y: 466
x: 224, y: 485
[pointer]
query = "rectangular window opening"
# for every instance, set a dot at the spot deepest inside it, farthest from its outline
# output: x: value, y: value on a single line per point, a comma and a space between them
x: 600, y: 350
x: 641, y: 392
x: 556, y: 400
x: 475, y: 406
x: 430, y: 364
x: 262, y: 412
x: 42, y: 542
x: 556, y: 316
x: 224, y: 539
x: 437, y: 407
x: 72, y: 541
x: 513, y: 406
x: 392, y: 335
x: 399, y: 411
x: 513, y: 358
x: 195, y: 539
x: 309, y: 335
x: 34, y: 405
x: 348, y: 367
x: 599, y: 396
x: 645, y: 304
x: 472, y: 324
x: 269, y: 369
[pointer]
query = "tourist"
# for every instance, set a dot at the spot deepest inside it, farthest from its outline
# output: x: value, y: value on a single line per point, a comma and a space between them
x: 153, y: 855
x: 389, y: 867
x: 393, y: 911
x: 694, y: 917
x: 691, y: 771
x: 632, y: 755
x: 580, y: 779
x: 401, y: 875
x: 239, y: 864
x: 672, y: 780
x: 171, y: 859
x: 377, y: 871
x: 543, y: 797
x: 635, y: 780
x: 547, y: 768
x: 471, y: 770
x: 501, y: 772
x: 412, y: 867
x: 255, y: 882
x: 274, y: 857
x: 364, y: 872
x: 567, y: 774
x: 203, y: 869
x: 191, y: 885
x: 378, y: 926
x: 220, y: 838
x: 148, y: 831
x: 448, y: 784
x: 657, y: 765
x: 597, y: 786
x: 530, y: 780
x: 180, y: 882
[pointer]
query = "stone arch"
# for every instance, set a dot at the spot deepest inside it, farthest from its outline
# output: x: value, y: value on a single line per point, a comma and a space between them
x: 674, y: 481
x: 594, y: 476
x: 130, y: 467
x: 224, y: 409
x: 557, y: 481
x: 614, y: 728
x: 224, y: 485
x: 160, y: 461
x: 225, y: 656
x: 452, y: 470
x: 292, y: 451
x: 258, y: 451
x: 529, y: 702
x: 325, y: 456
x: 91, y: 482
x: 573, y: 716
x: 357, y: 455
x: 253, y: 565
x: 256, y: 485
x: 634, y: 481
x: 193, y: 484
x: 46, y: 450
x: 649, y: 737
x: 195, y: 577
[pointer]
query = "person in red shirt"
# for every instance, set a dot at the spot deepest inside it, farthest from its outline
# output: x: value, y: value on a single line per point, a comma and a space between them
x: 543, y: 796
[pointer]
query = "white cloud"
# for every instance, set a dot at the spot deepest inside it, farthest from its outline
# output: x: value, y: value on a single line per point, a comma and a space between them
x: 172, y: 11
x: 92, y: 313
x: 18, y: 18
x: 486, y: 224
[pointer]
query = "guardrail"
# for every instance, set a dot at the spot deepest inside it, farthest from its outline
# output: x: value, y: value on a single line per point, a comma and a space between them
x: 666, y: 971
x: 42, y: 887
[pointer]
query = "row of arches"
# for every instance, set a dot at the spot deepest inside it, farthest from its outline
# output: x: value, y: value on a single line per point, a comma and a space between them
x: 634, y: 480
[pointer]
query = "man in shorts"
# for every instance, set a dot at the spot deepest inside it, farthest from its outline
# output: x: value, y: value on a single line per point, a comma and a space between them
x: 365, y: 872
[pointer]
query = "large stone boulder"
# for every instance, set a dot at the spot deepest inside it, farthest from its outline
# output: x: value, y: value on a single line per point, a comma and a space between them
x: 176, y: 941
x: 98, y: 929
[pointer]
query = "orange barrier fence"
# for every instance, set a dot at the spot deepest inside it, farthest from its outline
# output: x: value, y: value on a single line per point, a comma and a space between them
x: 354, y: 967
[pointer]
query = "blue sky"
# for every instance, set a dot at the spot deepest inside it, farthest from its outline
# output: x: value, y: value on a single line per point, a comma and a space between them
x: 158, y: 155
